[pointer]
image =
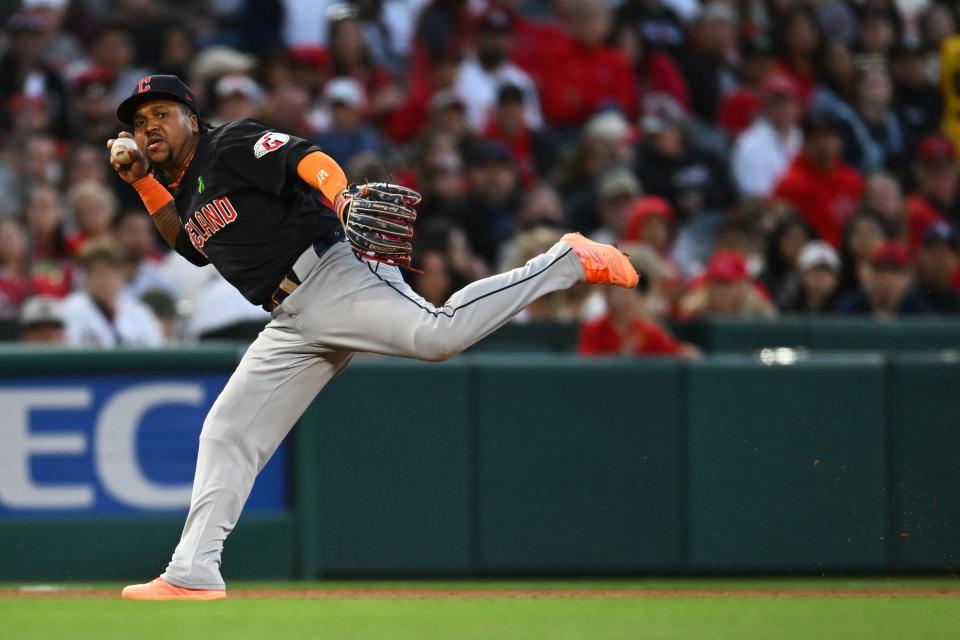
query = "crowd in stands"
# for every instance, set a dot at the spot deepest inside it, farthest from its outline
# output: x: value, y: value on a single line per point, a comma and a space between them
x: 754, y: 157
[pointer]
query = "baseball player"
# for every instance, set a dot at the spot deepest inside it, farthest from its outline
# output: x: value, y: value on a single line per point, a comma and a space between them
x: 245, y: 198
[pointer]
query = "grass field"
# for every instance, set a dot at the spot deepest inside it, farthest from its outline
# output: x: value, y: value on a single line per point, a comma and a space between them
x: 503, y: 610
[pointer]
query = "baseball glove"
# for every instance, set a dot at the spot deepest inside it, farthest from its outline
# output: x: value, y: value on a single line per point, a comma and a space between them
x: 378, y: 218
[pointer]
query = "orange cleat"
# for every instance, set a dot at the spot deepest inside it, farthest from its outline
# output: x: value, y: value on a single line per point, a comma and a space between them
x: 603, y: 263
x: 160, y: 589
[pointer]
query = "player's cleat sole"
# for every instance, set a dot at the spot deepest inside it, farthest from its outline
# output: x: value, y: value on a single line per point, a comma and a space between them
x: 602, y: 263
x: 160, y: 589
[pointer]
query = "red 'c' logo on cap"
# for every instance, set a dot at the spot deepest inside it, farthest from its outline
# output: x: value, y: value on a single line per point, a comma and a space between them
x: 144, y: 84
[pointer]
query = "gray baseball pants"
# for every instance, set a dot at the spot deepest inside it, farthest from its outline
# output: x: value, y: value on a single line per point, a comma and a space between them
x: 344, y: 305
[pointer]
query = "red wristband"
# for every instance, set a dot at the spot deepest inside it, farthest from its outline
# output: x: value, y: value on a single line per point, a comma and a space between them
x: 153, y: 194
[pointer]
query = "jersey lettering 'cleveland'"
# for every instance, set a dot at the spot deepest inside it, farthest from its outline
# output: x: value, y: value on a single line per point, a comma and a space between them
x: 208, y: 220
x: 245, y: 210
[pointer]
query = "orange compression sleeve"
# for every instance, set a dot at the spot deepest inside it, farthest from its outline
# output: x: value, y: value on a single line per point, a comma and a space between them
x: 154, y: 196
x: 322, y: 172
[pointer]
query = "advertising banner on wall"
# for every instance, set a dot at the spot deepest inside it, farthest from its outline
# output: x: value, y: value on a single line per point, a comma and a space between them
x: 110, y: 445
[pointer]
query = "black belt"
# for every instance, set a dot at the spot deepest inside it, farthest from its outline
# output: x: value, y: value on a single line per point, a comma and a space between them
x: 291, y: 281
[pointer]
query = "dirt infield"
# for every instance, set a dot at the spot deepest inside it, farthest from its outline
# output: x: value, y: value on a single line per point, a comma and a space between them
x: 508, y: 594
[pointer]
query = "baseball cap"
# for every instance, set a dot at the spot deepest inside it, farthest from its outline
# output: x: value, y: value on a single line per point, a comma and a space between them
x: 509, y: 94
x: 661, y: 110
x: 936, y: 150
x: 41, y: 4
x: 717, y: 11
x: 99, y: 250
x: 756, y: 46
x: 161, y: 87
x: 495, y: 20
x: 444, y: 99
x: 610, y: 125
x: 487, y: 152
x: 940, y: 232
x: 25, y: 22
x: 816, y: 122
x: 643, y: 208
x: 617, y: 182
x: 308, y: 55
x: 40, y: 310
x: 339, y: 11
x: 344, y: 90
x: 778, y: 85
x: 726, y: 266
x: 219, y: 60
x: 239, y: 83
x: 818, y: 253
x: 890, y: 254
x: 94, y: 82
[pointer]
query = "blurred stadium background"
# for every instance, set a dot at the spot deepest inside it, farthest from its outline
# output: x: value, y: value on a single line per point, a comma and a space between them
x: 779, y: 397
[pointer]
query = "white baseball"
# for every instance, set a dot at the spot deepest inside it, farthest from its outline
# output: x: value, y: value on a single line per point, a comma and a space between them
x: 120, y: 150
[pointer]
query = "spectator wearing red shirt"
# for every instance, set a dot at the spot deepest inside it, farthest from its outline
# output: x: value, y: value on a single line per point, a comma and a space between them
x: 742, y: 105
x: 49, y: 258
x: 654, y: 71
x: 586, y: 74
x: 798, y: 36
x: 823, y: 189
x: 625, y: 330
x: 534, y: 152
x: 535, y: 44
x: 938, y: 178
x: 18, y: 278
x: 651, y: 221
x: 350, y: 56
x: 94, y: 208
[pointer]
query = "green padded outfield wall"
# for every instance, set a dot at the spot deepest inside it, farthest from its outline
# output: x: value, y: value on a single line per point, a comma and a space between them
x: 925, y: 411
x: 787, y: 465
x: 830, y: 333
x: 579, y: 466
x: 556, y: 465
x: 386, y: 472
x: 137, y: 548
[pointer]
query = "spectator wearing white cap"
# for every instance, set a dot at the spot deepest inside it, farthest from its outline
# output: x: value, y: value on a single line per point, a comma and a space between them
x: 819, y: 269
x: 238, y: 96
x: 348, y: 133
x: 41, y: 320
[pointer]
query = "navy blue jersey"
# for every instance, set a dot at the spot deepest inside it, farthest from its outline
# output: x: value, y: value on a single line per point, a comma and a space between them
x: 245, y: 210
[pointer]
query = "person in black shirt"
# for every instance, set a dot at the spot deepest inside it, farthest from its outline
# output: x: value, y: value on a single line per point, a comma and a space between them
x: 888, y: 290
x: 937, y: 267
x: 245, y: 198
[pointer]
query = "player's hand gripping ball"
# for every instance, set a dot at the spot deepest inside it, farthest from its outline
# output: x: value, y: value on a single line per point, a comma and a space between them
x: 120, y: 150
x: 126, y: 159
x: 378, y: 218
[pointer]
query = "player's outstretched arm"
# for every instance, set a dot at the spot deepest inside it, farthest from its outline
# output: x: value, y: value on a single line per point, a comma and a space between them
x: 322, y: 172
x: 131, y: 166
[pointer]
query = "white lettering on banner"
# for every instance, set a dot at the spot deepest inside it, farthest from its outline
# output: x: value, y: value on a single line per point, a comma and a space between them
x: 115, y: 445
x: 17, y: 489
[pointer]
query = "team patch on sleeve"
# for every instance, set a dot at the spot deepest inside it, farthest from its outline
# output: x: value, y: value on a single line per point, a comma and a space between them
x: 270, y: 141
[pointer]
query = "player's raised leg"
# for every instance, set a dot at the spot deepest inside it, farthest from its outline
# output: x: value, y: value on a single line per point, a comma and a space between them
x: 374, y: 310
x: 271, y: 388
